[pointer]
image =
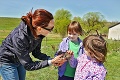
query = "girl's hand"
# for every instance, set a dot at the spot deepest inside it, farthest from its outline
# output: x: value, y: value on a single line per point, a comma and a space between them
x: 70, y: 52
x: 68, y: 55
x: 58, y: 61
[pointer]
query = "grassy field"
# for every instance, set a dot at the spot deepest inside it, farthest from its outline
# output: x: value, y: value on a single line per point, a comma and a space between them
x: 112, y: 63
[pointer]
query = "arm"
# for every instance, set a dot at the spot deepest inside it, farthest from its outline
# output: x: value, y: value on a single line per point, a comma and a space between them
x: 100, y: 75
x: 22, y: 54
x: 73, y: 62
x: 37, y: 53
x: 62, y: 48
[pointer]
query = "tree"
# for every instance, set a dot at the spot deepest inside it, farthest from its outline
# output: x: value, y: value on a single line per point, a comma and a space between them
x: 79, y: 19
x: 93, y: 21
x: 62, y: 19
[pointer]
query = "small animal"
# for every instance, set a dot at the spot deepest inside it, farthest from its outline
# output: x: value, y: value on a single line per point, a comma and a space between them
x: 65, y: 55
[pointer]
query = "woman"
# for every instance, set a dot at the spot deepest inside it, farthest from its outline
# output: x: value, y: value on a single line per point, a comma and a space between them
x: 26, y: 38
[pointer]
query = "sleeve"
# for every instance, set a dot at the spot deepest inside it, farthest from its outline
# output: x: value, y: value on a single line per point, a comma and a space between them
x: 96, y: 73
x: 23, y: 55
x: 37, y: 53
x: 95, y: 77
x: 73, y: 62
x: 61, y: 48
x: 100, y: 76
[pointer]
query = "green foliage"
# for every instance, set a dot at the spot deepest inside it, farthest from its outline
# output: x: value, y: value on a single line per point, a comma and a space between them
x: 62, y: 19
x: 79, y: 19
x: 93, y: 21
x: 61, y: 13
x: 104, y: 30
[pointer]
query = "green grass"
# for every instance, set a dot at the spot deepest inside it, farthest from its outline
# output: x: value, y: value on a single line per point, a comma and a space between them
x: 8, y: 23
x: 112, y: 63
x: 48, y: 73
x: 113, y: 66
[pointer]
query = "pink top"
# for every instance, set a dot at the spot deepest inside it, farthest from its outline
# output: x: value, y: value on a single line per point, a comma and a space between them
x: 89, y: 69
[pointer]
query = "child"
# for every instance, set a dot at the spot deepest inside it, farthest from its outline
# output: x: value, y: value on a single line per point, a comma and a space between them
x: 71, y: 43
x: 90, y: 64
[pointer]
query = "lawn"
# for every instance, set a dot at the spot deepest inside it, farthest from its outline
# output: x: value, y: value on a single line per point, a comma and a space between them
x: 112, y: 63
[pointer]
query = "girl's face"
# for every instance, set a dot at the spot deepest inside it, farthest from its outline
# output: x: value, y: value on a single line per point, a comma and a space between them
x: 73, y: 36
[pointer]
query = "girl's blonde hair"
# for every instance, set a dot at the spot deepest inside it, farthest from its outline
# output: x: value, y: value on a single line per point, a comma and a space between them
x: 96, y: 47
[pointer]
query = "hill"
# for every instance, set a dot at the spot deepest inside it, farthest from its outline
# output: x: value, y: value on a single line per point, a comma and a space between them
x: 50, y: 73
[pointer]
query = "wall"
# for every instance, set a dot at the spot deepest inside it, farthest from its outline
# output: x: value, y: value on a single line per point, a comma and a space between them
x: 114, y: 32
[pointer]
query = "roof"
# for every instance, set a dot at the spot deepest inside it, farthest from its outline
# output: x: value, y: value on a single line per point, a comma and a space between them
x: 114, y: 25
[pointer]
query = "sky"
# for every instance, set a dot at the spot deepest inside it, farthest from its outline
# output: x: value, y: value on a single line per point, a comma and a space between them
x: 17, y: 8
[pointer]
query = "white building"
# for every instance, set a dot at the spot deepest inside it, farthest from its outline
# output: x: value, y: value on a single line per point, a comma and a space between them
x: 114, y: 32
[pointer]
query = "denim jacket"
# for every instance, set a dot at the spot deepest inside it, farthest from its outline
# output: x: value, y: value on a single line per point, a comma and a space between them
x: 64, y: 46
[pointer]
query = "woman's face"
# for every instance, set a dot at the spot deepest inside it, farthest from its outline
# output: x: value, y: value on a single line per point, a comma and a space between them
x: 45, y: 30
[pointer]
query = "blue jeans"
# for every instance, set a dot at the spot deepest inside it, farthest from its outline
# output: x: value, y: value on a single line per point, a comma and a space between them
x: 65, y: 78
x: 10, y: 71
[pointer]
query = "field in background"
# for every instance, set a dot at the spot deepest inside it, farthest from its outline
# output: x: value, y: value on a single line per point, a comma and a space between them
x: 52, y: 40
